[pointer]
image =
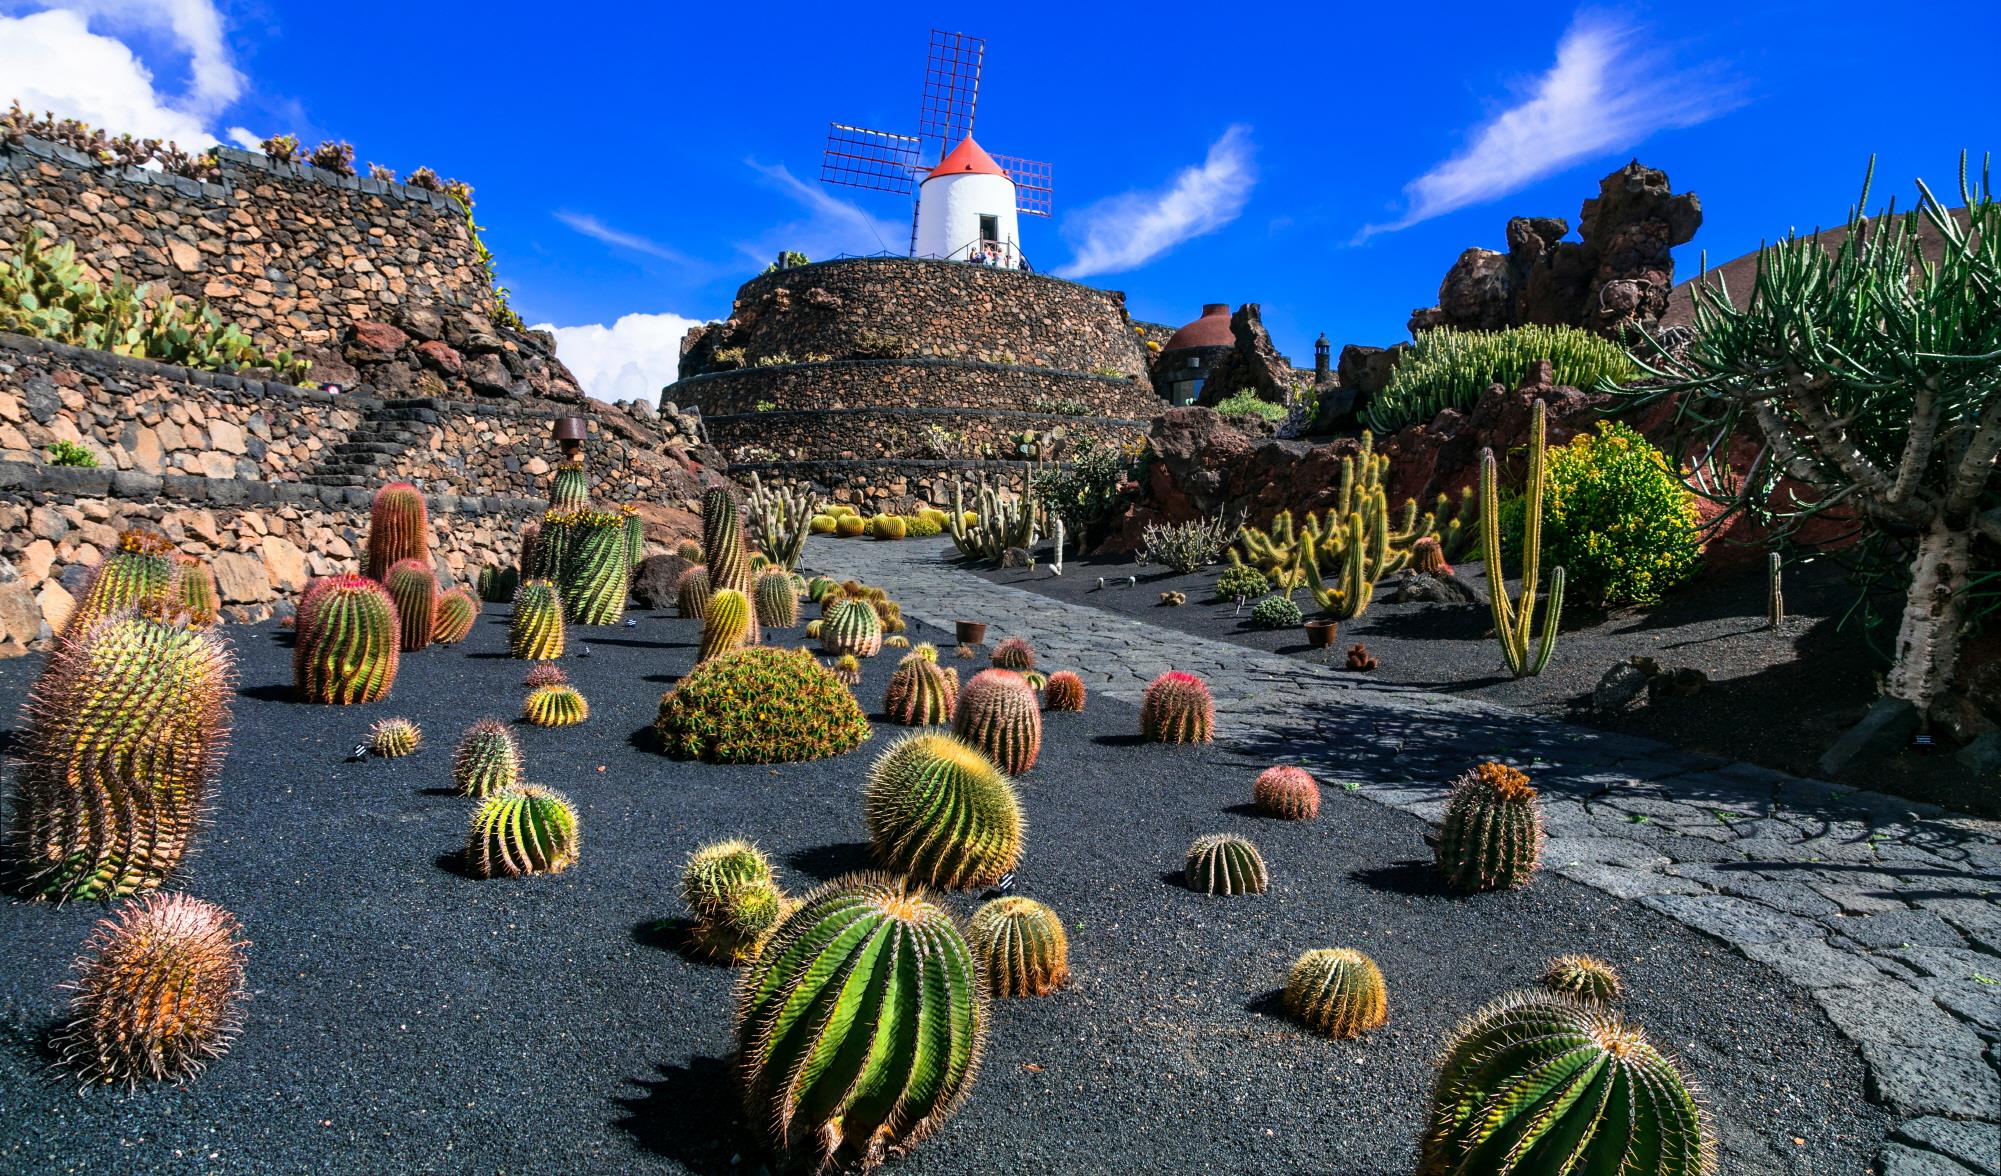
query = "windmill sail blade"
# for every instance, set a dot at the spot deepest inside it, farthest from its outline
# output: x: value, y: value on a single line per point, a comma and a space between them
x: 1034, y: 184
x: 951, y: 91
x: 880, y: 161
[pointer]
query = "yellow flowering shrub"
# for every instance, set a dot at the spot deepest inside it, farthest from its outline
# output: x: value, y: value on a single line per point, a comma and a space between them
x: 1617, y: 519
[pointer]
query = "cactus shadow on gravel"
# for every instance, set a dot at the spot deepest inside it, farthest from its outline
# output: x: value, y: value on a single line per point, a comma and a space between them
x: 688, y: 1114
x: 824, y: 863
x: 1416, y: 877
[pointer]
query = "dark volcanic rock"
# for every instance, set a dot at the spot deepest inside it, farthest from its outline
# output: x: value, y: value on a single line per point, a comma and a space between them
x: 654, y: 579
x: 1255, y: 364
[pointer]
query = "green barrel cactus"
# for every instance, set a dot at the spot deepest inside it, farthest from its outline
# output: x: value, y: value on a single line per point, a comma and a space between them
x: 536, y: 632
x: 725, y: 552
x: 569, y: 488
x: 1541, y: 1084
x: 921, y: 693
x: 549, y: 556
x: 1492, y: 835
x: 635, y: 534
x: 777, y: 602
x: 1225, y: 864
x: 555, y: 706
x: 199, y: 597
x: 859, y: 1027
x: 347, y: 641
x: 1063, y: 692
x: 1022, y: 944
x: 692, y: 592
x: 456, y: 612
x: 725, y: 624
x: 1286, y: 792
x: 728, y: 888
x: 851, y: 626
x: 522, y: 829
x: 394, y: 738
x: 399, y: 528
x: 818, y: 587
x: 1338, y: 992
x: 1177, y: 708
x: 596, y: 574
x: 497, y: 585
x: 143, y: 568
x: 998, y: 714
x: 487, y: 759
x: 939, y: 811
x: 415, y: 590
x: 122, y: 738
x: 1584, y: 976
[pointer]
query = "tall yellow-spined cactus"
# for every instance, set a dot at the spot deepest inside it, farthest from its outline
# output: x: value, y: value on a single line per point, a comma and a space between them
x: 1514, y: 623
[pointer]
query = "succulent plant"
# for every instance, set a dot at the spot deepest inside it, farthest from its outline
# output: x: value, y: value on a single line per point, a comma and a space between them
x: 1021, y: 945
x: 522, y: 829
x: 555, y: 706
x: 544, y: 675
x: 1337, y: 991
x: 873, y: 985
x: 536, y: 631
x: 198, y: 592
x: 1224, y: 863
x: 692, y: 592
x: 999, y: 715
x: 348, y: 644
x: 1015, y: 653
x: 1360, y: 659
x: 569, y: 487
x: 1241, y: 582
x: 818, y: 587
x: 1286, y: 792
x: 122, y: 738
x: 1583, y: 976
x: 725, y: 624
x: 497, y: 585
x: 849, y: 527
x: 1514, y: 622
x: 158, y: 992
x: 779, y: 520
x: 848, y: 668
x: 1036, y: 679
x: 920, y: 693
x: 548, y: 558
x: 852, y: 626
x: 724, y: 550
x: 394, y: 738
x: 1177, y: 709
x: 777, y: 603
x: 1064, y: 692
x: 1492, y: 835
x: 1428, y: 557
x: 822, y: 524
x: 813, y: 629
x: 597, y: 573
x: 487, y: 759
x: 1171, y: 599
x: 890, y: 527
x: 141, y: 569
x: 1275, y: 612
x: 962, y: 650
x: 942, y: 813
x: 1544, y: 1083
x: 728, y: 888
x: 399, y: 528
x: 414, y: 588
x: 455, y: 615
x: 760, y: 706
x: 690, y: 550
x: 635, y: 534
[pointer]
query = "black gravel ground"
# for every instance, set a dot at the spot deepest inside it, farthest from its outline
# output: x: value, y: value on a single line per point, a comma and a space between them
x: 405, y: 1018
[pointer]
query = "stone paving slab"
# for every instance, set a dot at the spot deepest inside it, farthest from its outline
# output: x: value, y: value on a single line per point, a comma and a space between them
x: 1887, y: 911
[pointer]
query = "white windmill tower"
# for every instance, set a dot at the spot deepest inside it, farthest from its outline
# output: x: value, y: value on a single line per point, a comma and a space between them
x: 967, y: 200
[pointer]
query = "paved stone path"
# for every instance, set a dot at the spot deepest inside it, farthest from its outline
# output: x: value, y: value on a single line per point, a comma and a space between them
x: 1888, y: 911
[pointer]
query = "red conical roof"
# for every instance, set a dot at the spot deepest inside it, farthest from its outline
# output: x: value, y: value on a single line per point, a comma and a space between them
x: 968, y: 158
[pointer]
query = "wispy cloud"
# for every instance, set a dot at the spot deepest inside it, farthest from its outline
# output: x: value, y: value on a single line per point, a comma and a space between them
x: 1606, y: 92
x: 632, y: 359
x: 831, y: 225
x: 597, y: 230
x: 1126, y: 231
x: 193, y: 27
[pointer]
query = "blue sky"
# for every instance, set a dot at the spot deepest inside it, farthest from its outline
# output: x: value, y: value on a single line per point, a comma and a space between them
x: 634, y: 163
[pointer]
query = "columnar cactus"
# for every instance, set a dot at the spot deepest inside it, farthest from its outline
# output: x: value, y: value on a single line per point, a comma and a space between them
x: 1064, y: 692
x: 198, y: 592
x: 920, y: 693
x: 347, y: 646
x: 777, y: 603
x: 860, y: 1025
x: 123, y: 736
x: 1286, y: 792
x: 415, y: 590
x: 997, y: 713
x: 522, y: 829
x: 1543, y: 1083
x: 1338, y: 992
x: 1015, y: 654
x: 394, y: 738
x: 158, y: 993
x: 536, y: 632
x: 1513, y: 623
x: 1022, y: 944
x: 726, y: 623
x: 399, y: 528
x: 940, y: 812
x: 635, y: 534
x: 597, y: 574
x: 1492, y: 836
x: 1224, y: 863
x: 692, y: 592
x: 1177, y: 709
x: 569, y: 488
x: 1583, y: 976
x: 551, y: 551
x: 456, y: 612
x: 555, y: 706
x: 487, y: 759
x: 851, y: 626
x: 143, y: 569
x: 724, y: 551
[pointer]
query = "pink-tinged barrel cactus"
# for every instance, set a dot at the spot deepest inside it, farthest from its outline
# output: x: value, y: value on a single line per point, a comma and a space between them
x: 1177, y: 709
x: 998, y: 714
x: 399, y: 528
x: 348, y: 641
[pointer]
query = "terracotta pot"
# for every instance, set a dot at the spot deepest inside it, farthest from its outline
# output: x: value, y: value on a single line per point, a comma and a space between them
x: 971, y: 632
x: 1320, y: 634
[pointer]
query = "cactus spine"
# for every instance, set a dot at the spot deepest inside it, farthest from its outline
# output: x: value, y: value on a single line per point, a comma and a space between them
x: 728, y: 888
x: 1286, y: 792
x: 536, y: 632
x: 123, y: 737
x: 725, y: 625
x: 596, y: 574
x: 523, y: 829
x: 1063, y: 692
x: 920, y: 693
x: 348, y: 643
x: 143, y: 569
x: 456, y: 612
x: 1492, y: 835
x: 1023, y: 946
x: 569, y: 488
x: 1775, y: 596
x: 487, y: 759
x: 724, y: 551
x: 859, y: 1027
x: 555, y: 706
x: 692, y: 592
x: 1513, y: 624
x: 1337, y: 991
x: 415, y: 591
x: 1585, y: 977
x: 1225, y: 864
x: 851, y: 626
x: 398, y: 529
x: 777, y: 601
x: 940, y: 812
x: 998, y: 714
x: 1177, y: 708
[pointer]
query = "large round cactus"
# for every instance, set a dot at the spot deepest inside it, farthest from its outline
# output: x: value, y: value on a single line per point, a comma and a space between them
x: 569, y: 488
x: 860, y: 1025
x: 921, y: 693
x: 1226, y: 864
x: 725, y: 624
x: 347, y: 641
x: 1337, y: 991
x: 536, y: 632
x: 760, y: 706
x: 777, y: 600
x: 939, y: 811
x: 1023, y: 946
x: 1286, y: 792
x: 142, y: 569
x: 729, y: 889
x: 158, y: 992
x: 456, y: 612
x: 399, y: 528
x: 487, y: 759
x: 1177, y: 709
x: 1540, y: 1084
x: 1492, y: 835
x: 523, y: 829
x: 692, y: 592
x: 597, y: 575
x: 851, y: 626
x: 998, y: 714
x: 415, y: 590
x: 123, y: 737
x: 724, y: 550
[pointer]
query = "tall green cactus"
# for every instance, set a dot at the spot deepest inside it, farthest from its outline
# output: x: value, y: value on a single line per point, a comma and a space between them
x: 1514, y: 625
x: 347, y: 641
x: 123, y: 737
x: 415, y: 590
x: 143, y: 568
x: 635, y: 534
x: 859, y: 1027
x: 780, y: 520
x: 398, y: 529
x: 536, y: 631
x: 725, y: 553
x: 569, y: 488
x: 597, y: 569
x: 997, y: 526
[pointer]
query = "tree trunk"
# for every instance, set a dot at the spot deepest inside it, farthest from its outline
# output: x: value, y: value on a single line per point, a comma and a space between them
x: 1934, y: 611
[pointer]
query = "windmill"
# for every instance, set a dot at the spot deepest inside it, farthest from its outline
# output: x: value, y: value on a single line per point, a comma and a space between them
x: 973, y: 212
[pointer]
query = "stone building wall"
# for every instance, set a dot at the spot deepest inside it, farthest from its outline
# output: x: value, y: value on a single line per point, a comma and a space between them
x: 877, y: 484
x: 948, y: 434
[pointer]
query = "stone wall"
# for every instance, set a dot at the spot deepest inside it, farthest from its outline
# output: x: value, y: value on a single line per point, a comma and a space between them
x: 895, y: 485
x: 948, y: 434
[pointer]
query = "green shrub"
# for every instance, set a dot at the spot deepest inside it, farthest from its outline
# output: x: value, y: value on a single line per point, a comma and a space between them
x: 1247, y: 404
x: 1450, y: 369
x: 760, y: 706
x: 1275, y: 612
x: 69, y: 453
x: 1241, y: 580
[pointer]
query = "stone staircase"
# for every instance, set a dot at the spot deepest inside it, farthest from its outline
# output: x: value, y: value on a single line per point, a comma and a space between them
x: 387, y: 432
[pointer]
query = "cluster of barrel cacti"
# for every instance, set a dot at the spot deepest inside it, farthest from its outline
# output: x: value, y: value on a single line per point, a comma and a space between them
x: 1492, y: 835
x: 1225, y: 864
x: 399, y: 528
x: 730, y: 891
x: 1022, y: 945
x: 999, y: 714
x: 560, y: 705
x: 536, y: 631
x: 348, y: 641
x: 921, y: 693
x: 1177, y: 708
x: 486, y: 760
x: 1337, y: 991
x: 522, y: 829
x: 942, y: 813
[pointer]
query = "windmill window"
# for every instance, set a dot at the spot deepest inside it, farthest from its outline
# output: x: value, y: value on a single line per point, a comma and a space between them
x: 989, y: 228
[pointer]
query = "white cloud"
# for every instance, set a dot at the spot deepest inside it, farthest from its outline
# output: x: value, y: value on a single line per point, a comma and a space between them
x: 1126, y: 231
x: 1605, y: 93
x: 195, y: 27
x: 597, y: 230
x: 51, y: 61
x: 245, y: 138
x: 831, y: 225
x: 632, y: 359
